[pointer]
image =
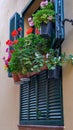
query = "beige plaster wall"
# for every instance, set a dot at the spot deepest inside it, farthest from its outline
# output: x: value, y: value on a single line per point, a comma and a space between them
x: 9, y: 92
x: 67, y: 47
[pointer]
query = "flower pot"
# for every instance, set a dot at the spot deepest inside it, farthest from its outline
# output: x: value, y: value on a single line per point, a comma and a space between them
x: 43, y: 68
x: 55, y: 73
x: 34, y: 73
x: 15, y: 77
x: 46, y: 30
x: 22, y: 75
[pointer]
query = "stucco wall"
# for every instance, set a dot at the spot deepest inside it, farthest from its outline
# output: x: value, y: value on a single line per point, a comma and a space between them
x: 68, y: 69
x: 9, y: 92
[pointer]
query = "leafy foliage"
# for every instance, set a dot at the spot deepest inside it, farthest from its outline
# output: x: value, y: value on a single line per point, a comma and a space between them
x: 43, y: 14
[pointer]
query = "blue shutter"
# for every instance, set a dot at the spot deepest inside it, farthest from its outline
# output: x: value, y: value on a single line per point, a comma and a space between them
x: 59, y: 27
x: 15, y: 22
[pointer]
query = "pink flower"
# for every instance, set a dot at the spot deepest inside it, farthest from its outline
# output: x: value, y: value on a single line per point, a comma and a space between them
x: 31, y: 24
x: 30, y: 21
x: 7, y: 49
x: 3, y: 58
x: 44, y: 3
x: 6, y: 63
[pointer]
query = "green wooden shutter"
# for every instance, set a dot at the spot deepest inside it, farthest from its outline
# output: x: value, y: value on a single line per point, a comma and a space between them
x: 42, y: 96
x: 59, y: 27
x: 15, y: 22
x: 33, y: 99
x: 41, y: 101
x: 55, y: 114
x: 24, y: 101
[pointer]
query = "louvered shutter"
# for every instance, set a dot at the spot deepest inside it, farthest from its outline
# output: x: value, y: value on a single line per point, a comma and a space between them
x: 15, y: 22
x: 42, y: 97
x: 24, y: 101
x: 59, y: 27
x: 55, y: 114
x: 33, y: 99
x: 41, y: 101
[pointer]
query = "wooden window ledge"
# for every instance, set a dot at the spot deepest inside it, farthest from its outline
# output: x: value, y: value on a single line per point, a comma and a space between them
x: 39, y: 127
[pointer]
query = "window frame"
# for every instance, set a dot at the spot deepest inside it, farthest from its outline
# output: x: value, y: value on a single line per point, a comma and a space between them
x: 29, y: 4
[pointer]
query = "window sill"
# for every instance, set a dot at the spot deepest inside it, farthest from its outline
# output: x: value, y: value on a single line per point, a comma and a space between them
x: 40, y: 127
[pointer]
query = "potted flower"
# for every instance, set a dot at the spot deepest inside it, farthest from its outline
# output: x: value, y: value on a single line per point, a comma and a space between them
x: 44, y: 18
x: 25, y: 50
x: 10, y: 69
x: 51, y: 62
x: 33, y: 54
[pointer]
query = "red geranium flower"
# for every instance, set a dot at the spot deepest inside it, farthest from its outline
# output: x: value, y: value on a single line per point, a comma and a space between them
x: 9, y: 58
x: 30, y: 30
x: 15, y: 41
x: 9, y: 43
x: 19, y: 29
x: 37, y: 31
x: 14, y: 33
x: 11, y: 51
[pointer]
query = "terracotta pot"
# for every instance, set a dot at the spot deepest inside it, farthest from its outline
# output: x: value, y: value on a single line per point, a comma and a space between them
x: 15, y: 77
x: 34, y: 73
x: 44, y: 68
x: 22, y: 75
x: 28, y: 74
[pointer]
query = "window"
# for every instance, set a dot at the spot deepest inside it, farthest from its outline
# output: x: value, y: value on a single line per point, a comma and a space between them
x: 59, y: 17
x: 28, y: 13
x: 41, y: 101
x: 41, y: 97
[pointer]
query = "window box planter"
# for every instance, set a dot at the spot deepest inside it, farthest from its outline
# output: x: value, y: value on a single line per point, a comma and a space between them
x: 46, y: 30
x: 15, y: 77
x: 55, y: 73
x: 23, y: 77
